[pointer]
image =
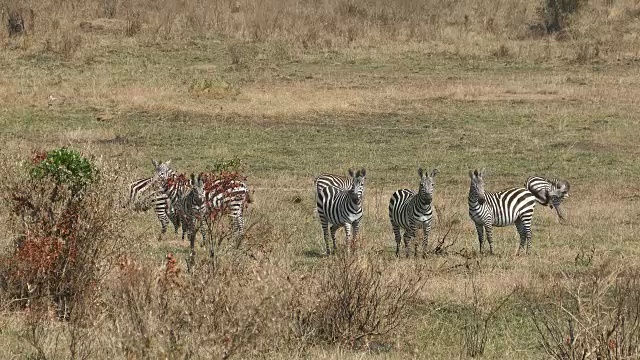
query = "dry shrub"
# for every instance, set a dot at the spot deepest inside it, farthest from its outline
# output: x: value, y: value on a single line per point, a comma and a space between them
x: 65, y: 229
x: 591, y: 315
x: 356, y: 300
x: 67, y: 235
x: 238, y: 308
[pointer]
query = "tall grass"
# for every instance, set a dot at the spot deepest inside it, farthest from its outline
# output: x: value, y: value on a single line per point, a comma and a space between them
x: 511, y: 28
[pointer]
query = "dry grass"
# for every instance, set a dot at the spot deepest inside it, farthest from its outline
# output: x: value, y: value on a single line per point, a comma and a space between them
x: 298, y: 88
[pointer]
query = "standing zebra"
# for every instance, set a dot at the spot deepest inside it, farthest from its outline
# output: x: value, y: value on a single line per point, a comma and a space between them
x: 191, y: 207
x: 340, y: 207
x: 154, y: 187
x: 341, y: 182
x: 138, y: 187
x: 408, y: 210
x: 324, y: 180
x: 225, y: 195
x: 549, y: 192
x: 507, y: 207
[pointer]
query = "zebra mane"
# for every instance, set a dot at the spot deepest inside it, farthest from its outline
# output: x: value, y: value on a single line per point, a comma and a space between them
x: 560, y: 184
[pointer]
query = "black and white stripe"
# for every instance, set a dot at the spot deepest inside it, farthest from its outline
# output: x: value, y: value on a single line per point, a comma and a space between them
x: 340, y: 207
x: 149, y: 192
x: 409, y: 210
x: 191, y: 208
x: 230, y: 197
x: 507, y: 207
x: 549, y: 192
x: 332, y: 180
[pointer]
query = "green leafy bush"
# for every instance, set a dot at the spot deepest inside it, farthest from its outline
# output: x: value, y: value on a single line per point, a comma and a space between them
x: 64, y: 167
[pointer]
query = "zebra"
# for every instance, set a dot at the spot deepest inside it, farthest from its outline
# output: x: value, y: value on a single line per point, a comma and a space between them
x: 324, y: 180
x: 340, y: 207
x: 154, y: 187
x: 507, y: 207
x: 341, y: 182
x: 549, y: 192
x: 140, y: 186
x: 229, y: 196
x: 191, y: 207
x: 408, y: 210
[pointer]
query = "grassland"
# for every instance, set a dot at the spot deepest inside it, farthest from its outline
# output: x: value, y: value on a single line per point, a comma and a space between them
x: 291, y: 111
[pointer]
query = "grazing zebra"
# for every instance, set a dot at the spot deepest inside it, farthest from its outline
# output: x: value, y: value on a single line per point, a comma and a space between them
x: 225, y: 195
x: 408, y: 210
x: 549, y: 192
x: 507, y: 207
x: 191, y: 207
x: 340, y: 207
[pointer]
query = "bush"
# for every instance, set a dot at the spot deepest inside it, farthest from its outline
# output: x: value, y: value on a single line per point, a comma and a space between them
x: 595, y: 315
x: 65, y: 232
x: 64, y: 167
x: 554, y: 13
x: 355, y: 302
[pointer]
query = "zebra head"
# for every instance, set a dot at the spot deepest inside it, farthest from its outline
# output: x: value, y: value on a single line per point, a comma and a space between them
x: 558, y: 195
x: 362, y: 171
x: 197, y: 188
x: 427, y: 184
x: 163, y: 171
x: 357, y: 186
x: 476, y: 191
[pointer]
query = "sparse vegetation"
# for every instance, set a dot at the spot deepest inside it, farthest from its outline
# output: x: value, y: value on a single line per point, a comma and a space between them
x: 287, y: 90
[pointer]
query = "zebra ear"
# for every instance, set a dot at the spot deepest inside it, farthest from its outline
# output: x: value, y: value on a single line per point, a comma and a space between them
x: 363, y: 172
x: 434, y: 172
x: 168, y: 162
x: 471, y: 173
x: 482, y: 172
x: 193, y: 179
x: 155, y: 163
x: 420, y: 172
x: 351, y: 172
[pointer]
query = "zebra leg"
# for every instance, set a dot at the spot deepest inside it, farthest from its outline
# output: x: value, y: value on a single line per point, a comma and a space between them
x: 325, y: 233
x: 333, y: 230
x: 203, y: 232
x: 488, y: 229
x: 356, y: 230
x: 524, y: 230
x: 397, y: 236
x: 480, y: 230
x: 175, y: 220
x: 426, y: 229
x: 237, y: 227
x: 191, y: 234
x: 348, y: 237
x: 164, y: 222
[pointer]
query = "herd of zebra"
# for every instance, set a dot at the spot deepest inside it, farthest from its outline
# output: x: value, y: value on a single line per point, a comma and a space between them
x: 187, y: 202
x: 339, y: 203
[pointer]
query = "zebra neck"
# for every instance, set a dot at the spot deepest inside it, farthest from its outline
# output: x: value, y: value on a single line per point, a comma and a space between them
x: 473, y: 198
x: 423, y: 201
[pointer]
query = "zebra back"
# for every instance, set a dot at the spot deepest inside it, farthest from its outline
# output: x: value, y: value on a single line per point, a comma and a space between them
x: 501, y: 208
x: 338, y: 206
x: 407, y: 207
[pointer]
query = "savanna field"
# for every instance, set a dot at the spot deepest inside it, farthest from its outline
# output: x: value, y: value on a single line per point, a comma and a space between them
x: 283, y: 91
